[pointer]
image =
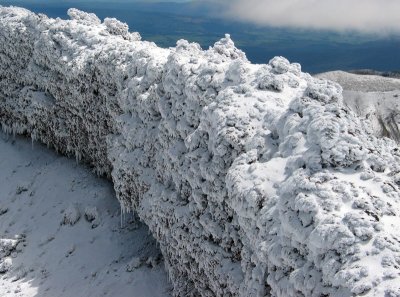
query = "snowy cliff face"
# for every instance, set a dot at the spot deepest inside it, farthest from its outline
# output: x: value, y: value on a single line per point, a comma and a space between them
x: 254, y: 179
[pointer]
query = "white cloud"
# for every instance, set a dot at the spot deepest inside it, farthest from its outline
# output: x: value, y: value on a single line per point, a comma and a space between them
x: 361, y: 15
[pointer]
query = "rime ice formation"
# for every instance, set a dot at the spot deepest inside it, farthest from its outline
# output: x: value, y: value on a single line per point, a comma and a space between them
x: 254, y: 179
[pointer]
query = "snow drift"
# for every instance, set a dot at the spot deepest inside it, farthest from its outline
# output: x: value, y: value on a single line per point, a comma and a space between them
x: 255, y: 179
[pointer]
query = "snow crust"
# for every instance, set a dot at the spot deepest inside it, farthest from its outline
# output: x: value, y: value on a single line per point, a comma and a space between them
x: 256, y: 180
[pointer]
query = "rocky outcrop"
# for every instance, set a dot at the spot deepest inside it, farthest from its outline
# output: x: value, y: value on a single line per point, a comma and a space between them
x: 254, y: 179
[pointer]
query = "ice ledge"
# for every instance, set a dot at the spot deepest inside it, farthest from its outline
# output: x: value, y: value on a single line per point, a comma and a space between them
x: 254, y: 179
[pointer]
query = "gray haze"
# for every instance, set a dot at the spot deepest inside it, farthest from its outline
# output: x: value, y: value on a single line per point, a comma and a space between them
x: 375, y: 16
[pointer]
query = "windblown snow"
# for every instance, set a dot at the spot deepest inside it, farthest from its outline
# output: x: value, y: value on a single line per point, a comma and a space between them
x: 255, y: 180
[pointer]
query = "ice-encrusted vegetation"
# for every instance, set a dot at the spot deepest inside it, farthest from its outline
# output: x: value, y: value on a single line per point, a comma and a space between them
x: 254, y: 179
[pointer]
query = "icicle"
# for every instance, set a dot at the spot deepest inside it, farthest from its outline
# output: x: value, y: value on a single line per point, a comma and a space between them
x: 121, y: 215
x: 33, y: 138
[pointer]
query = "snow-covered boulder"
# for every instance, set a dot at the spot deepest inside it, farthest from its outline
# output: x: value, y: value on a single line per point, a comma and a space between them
x: 256, y: 180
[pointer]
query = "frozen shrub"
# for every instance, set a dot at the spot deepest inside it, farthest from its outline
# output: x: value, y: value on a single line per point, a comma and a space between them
x: 116, y: 27
x: 272, y: 83
x: 279, y: 65
x: 7, y: 246
x: 21, y: 189
x: 5, y: 265
x: 71, y: 216
x: 226, y: 47
x: 91, y: 214
x: 323, y: 90
x: 135, y: 263
x: 3, y: 209
x: 83, y: 17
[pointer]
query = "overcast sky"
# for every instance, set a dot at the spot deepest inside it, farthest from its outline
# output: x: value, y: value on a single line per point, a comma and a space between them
x: 376, y: 16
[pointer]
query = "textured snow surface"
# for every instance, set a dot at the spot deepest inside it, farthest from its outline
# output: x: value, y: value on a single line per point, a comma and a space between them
x: 254, y: 179
x: 41, y: 256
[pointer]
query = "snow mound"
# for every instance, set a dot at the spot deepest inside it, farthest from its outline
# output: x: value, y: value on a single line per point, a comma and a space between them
x: 254, y: 179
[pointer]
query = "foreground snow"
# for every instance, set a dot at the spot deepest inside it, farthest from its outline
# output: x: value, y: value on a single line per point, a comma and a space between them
x: 254, y: 179
x: 87, y: 255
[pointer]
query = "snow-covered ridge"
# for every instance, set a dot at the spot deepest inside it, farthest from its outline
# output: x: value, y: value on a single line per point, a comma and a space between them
x: 362, y: 82
x: 373, y: 98
x: 254, y: 179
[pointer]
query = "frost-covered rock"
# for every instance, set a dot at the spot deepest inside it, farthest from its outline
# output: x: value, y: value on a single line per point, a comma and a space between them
x: 254, y: 179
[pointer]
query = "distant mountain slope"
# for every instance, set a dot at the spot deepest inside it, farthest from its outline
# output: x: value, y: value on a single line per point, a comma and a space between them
x: 362, y: 83
x: 374, y: 98
x: 392, y: 74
